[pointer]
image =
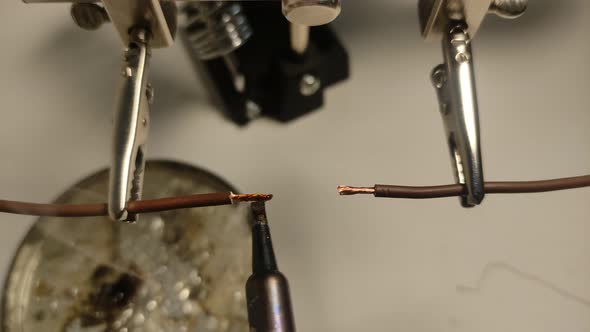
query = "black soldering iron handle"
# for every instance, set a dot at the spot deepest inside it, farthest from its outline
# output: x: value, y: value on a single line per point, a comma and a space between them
x: 269, y: 303
x: 267, y: 289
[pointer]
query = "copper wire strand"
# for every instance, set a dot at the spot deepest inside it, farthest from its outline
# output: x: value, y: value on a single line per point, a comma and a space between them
x: 502, y: 187
x: 142, y: 206
x: 250, y: 197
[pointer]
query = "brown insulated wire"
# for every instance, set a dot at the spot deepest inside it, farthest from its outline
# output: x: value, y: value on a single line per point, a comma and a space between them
x: 143, y: 206
x: 503, y: 187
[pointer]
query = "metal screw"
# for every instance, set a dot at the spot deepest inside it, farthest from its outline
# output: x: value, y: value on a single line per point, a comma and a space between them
x: 311, y: 12
x: 142, y: 35
x: 459, y: 28
x: 149, y: 93
x: 455, y: 10
x: 508, y: 8
x: 462, y: 57
x: 89, y: 16
x: 127, y: 72
x: 439, y: 79
x: 309, y: 85
x: 252, y: 110
x: 460, y: 41
x: 439, y: 76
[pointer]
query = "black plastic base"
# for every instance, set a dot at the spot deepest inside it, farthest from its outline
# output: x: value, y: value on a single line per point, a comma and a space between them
x: 272, y: 71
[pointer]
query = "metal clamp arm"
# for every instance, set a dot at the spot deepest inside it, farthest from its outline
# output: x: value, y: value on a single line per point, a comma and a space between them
x: 130, y: 128
x: 455, y: 85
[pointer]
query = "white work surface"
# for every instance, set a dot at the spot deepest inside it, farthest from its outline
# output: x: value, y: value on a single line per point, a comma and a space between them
x: 516, y: 263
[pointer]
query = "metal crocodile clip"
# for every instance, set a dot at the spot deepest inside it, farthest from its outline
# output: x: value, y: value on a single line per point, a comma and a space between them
x: 455, y: 85
x: 130, y: 128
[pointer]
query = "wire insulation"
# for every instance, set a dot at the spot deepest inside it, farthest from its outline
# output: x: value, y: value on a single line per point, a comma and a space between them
x: 503, y: 187
x: 227, y: 198
x: 143, y: 206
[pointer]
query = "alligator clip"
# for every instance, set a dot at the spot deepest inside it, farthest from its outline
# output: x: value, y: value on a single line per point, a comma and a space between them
x: 130, y: 128
x: 455, y: 85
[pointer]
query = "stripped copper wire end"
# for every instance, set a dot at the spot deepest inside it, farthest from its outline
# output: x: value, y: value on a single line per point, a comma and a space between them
x: 348, y: 190
x: 235, y: 198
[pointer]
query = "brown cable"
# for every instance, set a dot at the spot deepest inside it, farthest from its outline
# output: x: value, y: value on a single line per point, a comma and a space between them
x: 227, y: 198
x: 142, y: 206
x: 504, y: 187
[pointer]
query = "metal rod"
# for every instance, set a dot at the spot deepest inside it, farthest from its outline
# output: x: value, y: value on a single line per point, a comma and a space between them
x: 299, y: 38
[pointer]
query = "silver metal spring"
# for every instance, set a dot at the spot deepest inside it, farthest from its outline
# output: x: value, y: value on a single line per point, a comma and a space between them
x: 215, y: 28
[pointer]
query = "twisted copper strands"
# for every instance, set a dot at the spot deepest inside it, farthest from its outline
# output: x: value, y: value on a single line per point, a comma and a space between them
x: 504, y: 187
x: 143, y: 206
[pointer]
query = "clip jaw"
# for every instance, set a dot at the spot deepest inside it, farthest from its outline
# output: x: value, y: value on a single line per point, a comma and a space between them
x: 455, y: 85
x: 131, y: 128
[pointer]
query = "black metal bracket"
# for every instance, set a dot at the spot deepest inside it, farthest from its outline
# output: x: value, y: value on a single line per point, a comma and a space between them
x: 279, y: 83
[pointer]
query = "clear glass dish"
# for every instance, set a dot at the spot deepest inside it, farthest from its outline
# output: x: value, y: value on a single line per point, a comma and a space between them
x: 180, y: 270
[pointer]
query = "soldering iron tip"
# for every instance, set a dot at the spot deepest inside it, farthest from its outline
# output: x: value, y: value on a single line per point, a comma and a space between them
x: 259, y: 213
x: 348, y: 190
